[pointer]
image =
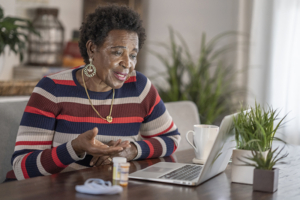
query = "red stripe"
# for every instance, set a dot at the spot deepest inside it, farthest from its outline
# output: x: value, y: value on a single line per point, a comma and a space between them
x: 120, y: 120
x: 150, y: 136
x: 64, y: 82
x: 56, y: 159
x: 157, y: 100
x: 174, y: 149
x: 34, y: 110
x: 131, y: 79
x: 150, y: 147
x: 23, y: 166
x: 34, y: 143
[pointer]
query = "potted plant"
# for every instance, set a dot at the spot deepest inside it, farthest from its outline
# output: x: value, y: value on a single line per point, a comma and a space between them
x: 265, y: 177
x: 13, y: 34
x: 254, y: 131
x: 207, y: 79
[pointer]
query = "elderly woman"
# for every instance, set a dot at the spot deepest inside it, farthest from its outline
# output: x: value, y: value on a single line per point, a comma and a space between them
x: 82, y: 117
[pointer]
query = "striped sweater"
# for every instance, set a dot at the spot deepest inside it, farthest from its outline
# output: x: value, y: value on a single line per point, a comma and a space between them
x: 59, y: 110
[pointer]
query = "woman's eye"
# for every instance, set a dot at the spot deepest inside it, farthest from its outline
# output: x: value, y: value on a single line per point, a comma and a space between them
x: 118, y: 53
x: 133, y: 56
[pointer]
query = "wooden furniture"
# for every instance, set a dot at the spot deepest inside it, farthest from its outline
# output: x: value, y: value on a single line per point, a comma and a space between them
x: 62, y: 186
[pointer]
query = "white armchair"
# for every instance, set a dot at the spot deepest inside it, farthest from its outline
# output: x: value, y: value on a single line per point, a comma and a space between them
x: 185, y: 115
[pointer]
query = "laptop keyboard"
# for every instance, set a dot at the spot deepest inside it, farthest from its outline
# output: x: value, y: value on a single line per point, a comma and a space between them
x: 187, y: 173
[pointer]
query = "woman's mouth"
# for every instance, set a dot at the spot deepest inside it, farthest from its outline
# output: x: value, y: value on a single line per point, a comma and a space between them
x: 120, y: 76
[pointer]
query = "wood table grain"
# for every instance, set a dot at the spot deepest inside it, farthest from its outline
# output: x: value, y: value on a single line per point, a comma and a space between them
x: 62, y: 186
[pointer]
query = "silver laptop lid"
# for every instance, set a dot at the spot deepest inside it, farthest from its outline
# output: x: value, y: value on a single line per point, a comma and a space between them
x: 221, y: 151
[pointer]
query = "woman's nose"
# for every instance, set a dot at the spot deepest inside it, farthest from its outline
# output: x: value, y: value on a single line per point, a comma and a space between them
x: 125, y: 62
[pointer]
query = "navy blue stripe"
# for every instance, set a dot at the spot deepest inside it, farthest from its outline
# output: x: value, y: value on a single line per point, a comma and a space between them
x: 141, y: 82
x: 47, y: 84
x: 158, y: 110
x: 20, y: 152
x: 145, y: 149
x: 131, y: 89
x: 38, y: 121
x: 129, y: 129
x: 31, y: 165
x: 170, y: 145
x: 86, y: 161
x: 63, y: 154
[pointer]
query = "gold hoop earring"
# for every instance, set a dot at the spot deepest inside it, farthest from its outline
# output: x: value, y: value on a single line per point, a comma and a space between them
x: 90, y: 69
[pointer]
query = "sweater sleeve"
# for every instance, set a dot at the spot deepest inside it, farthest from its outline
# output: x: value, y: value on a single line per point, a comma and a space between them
x: 160, y: 134
x: 34, y: 154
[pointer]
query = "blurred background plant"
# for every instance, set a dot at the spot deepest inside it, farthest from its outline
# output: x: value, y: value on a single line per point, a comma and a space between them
x: 13, y: 33
x: 207, y: 80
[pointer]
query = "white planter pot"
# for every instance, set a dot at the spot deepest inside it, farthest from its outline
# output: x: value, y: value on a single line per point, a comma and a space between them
x: 242, y: 174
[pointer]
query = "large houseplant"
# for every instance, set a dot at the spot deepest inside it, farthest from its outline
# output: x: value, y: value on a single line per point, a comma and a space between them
x: 207, y: 80
x: 265, y: 176
x: 13, y: 33
x: 254, y: 131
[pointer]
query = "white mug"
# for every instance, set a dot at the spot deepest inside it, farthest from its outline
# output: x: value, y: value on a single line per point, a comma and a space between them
x: 204, y: 137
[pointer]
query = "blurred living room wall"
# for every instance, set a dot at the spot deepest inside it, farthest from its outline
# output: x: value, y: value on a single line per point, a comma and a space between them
x: 190, y: 18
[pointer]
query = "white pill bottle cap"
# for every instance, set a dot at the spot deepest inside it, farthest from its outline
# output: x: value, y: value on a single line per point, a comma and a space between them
x: 119, y: 160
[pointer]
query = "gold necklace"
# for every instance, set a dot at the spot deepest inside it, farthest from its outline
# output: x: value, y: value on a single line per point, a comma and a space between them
x: 109, y: 117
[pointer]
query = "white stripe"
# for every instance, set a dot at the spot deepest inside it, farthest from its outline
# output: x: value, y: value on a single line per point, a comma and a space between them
x: 72, y: 152
x: 17, y: 167
x: 33, y: 147
x: 139, y: 150
x: 63, y: 75
x: 40, y: 166
x: 163, y: 144
x: 61, y: 138
x: 30, y: 131
x: 145, y: 91
x: 161, y: 124
x: 44, y: 93
x: 34, y: 137
x: 176, y: 139
x: 96, y: 102
x: 26, y: 133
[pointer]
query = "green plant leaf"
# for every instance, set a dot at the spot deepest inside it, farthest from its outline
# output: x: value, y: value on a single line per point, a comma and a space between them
x: 12, y: 33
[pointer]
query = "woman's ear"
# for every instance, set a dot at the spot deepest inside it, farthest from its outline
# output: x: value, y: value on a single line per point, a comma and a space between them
x: 91, y: 48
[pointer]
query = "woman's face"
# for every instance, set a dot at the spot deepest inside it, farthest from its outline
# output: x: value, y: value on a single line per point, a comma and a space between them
x: 116, y: 58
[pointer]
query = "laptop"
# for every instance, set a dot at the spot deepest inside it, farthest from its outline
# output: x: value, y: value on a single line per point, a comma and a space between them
x: 193, y: 174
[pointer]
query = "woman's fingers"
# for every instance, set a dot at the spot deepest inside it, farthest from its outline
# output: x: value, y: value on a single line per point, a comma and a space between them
x: 94, y: 160
x: 101, y: 160
x: 125, y: 144
x: 107, y: 161
x: 114, y: 143
x: 103, y: 150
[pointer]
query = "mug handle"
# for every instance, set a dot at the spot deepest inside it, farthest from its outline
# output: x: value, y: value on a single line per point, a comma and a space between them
x: 187, y: 139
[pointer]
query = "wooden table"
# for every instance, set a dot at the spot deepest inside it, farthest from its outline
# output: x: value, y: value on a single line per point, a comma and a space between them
x: 62, y: 186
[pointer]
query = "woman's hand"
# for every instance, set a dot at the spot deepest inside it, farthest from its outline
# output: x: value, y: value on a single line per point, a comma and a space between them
x: 105, y: 160
x: 86, y: 142
x: 129, y: 152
